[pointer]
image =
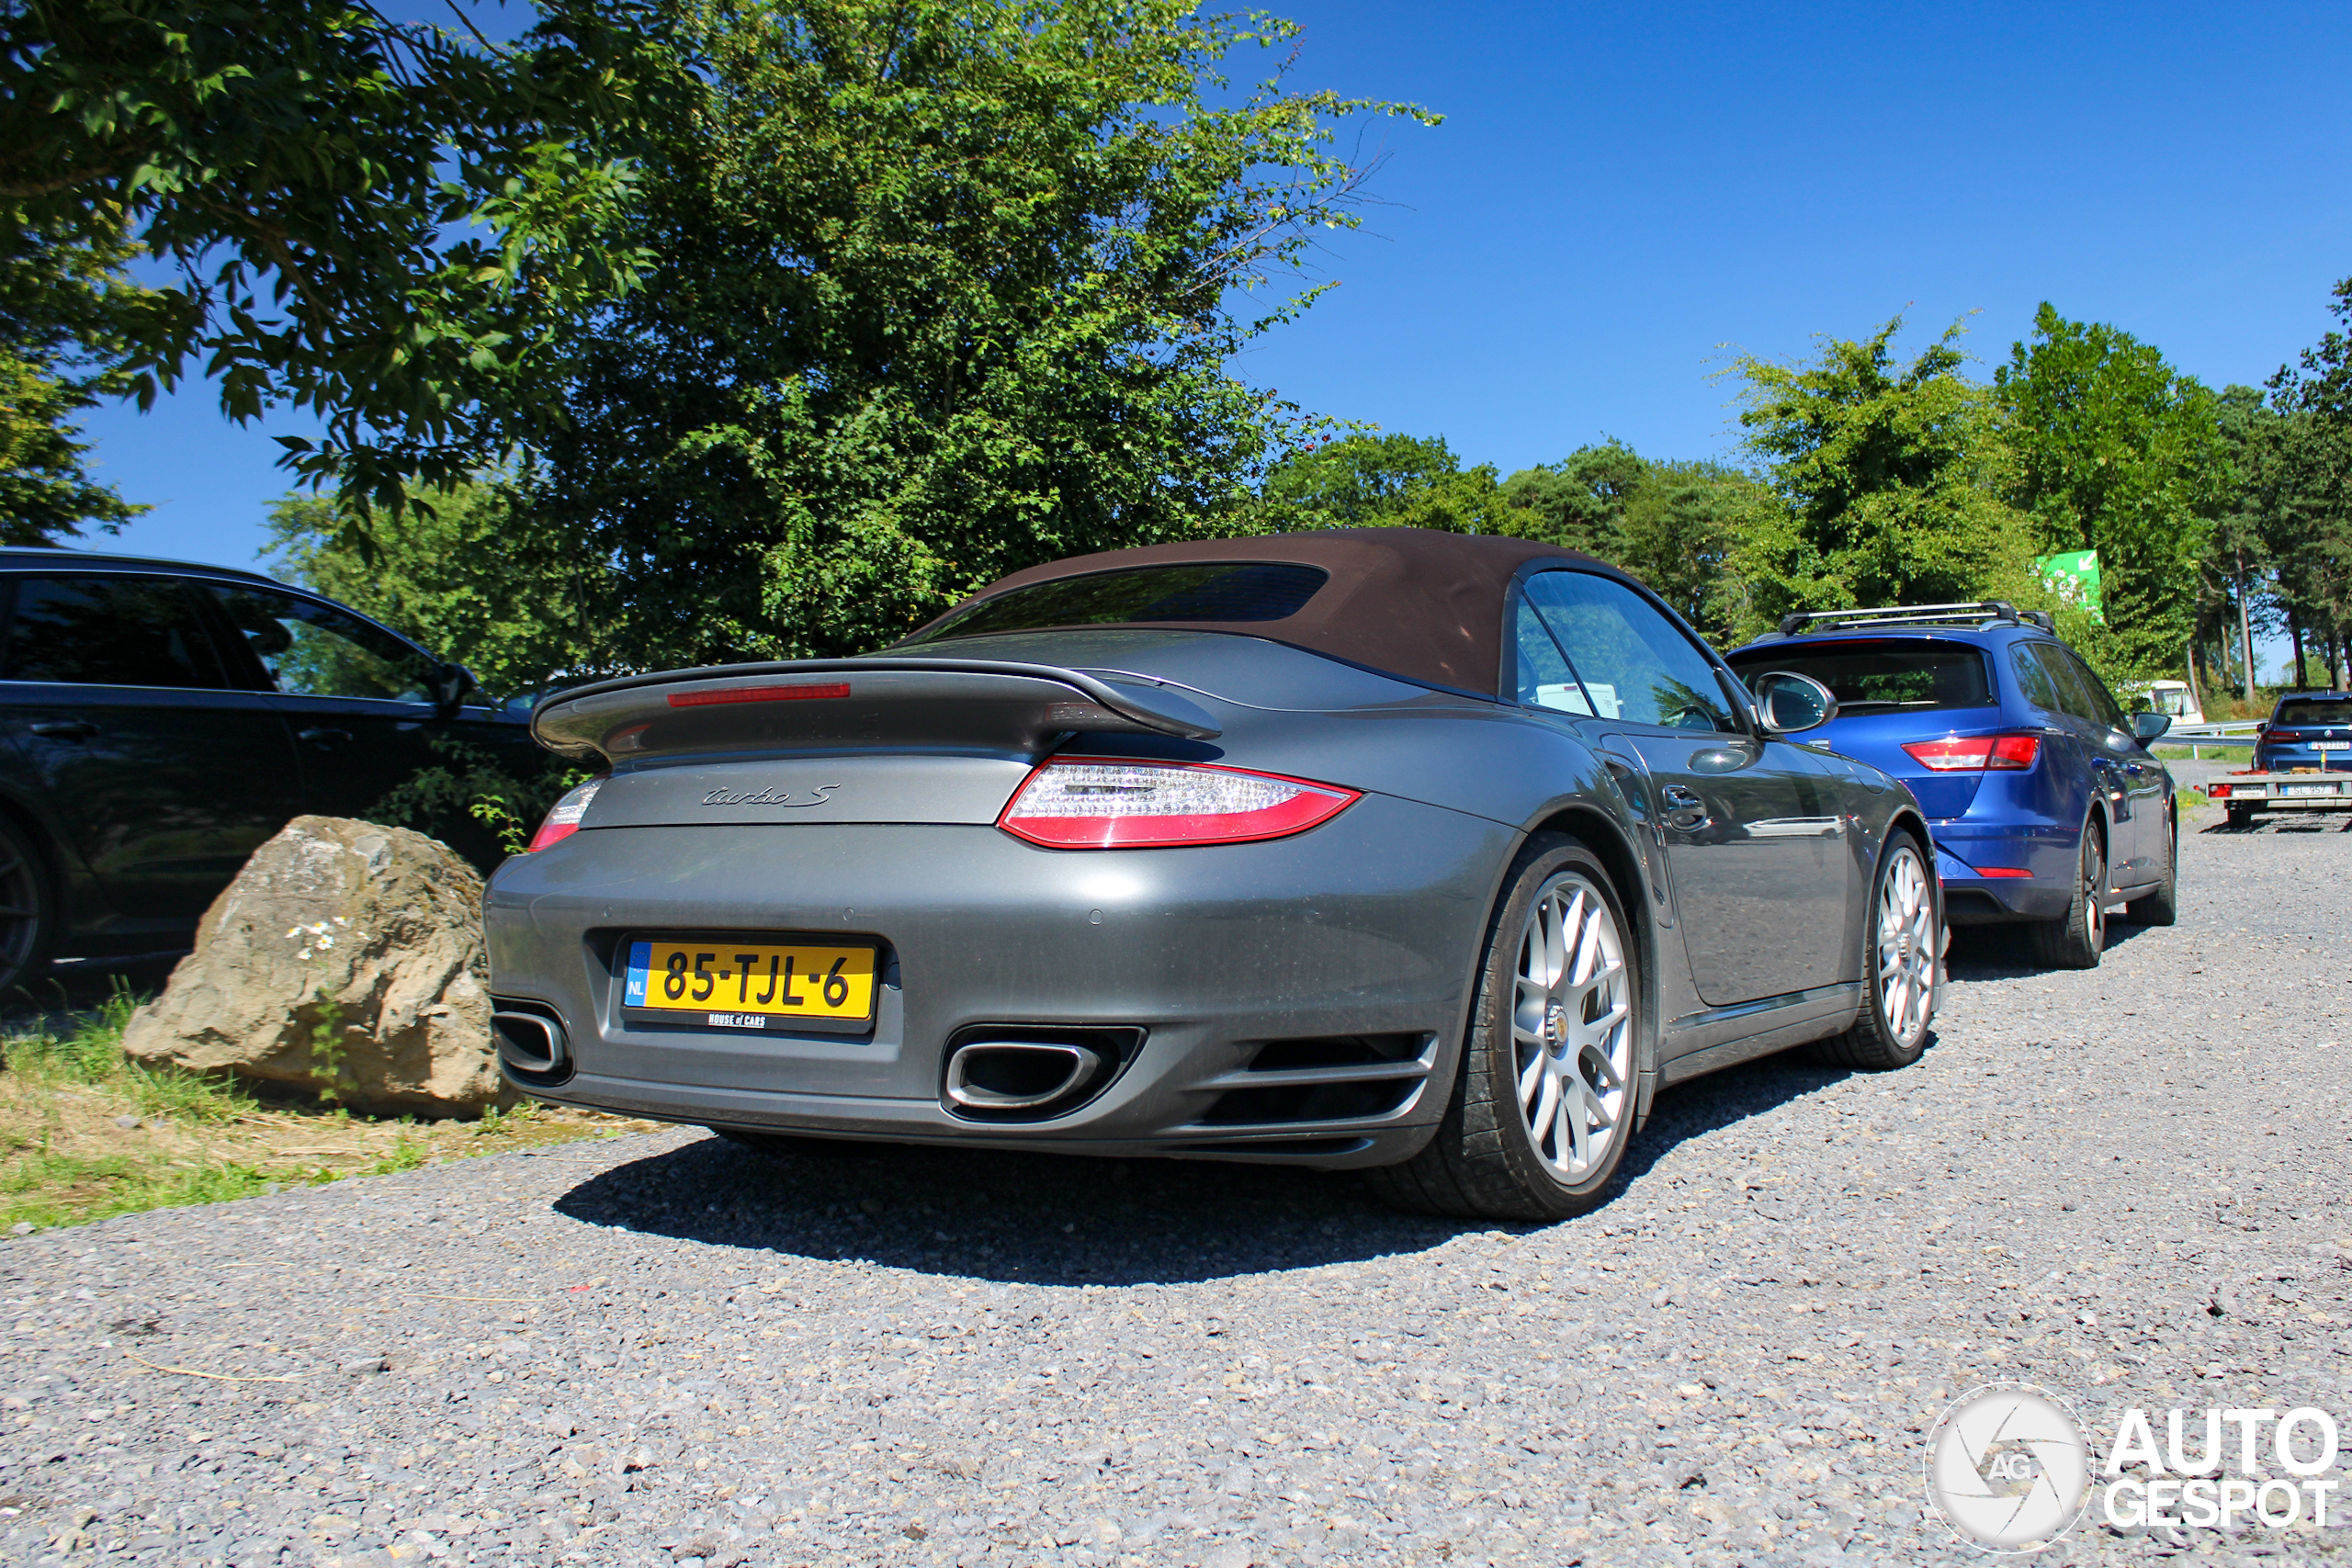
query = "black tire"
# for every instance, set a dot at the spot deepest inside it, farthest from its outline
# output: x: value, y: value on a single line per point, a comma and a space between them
x: 2241, y: 816
x: 2077, y: 939
x: 1485, y: 1162
x: 30, y: 913
x: 1879, y: 1041
x: 2161, y: 904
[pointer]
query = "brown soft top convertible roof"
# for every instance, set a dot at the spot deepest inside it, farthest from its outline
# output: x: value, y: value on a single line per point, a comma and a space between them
x: 1414, y: 602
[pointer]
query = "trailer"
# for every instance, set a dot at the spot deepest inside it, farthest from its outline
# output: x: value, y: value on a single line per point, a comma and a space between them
x: 2250, y: 795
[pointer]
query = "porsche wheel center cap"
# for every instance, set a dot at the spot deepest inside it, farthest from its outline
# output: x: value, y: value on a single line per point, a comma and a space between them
x: 1556, y: 1023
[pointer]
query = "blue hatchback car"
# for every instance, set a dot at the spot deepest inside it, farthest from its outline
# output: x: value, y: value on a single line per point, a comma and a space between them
x: 2046, y: 806
x: 2307, y: 729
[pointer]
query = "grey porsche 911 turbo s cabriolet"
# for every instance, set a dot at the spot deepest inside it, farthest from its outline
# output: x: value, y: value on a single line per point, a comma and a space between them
x: 1430, y: 854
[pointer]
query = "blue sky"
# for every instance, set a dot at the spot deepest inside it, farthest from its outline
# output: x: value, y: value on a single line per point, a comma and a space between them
x: 1620, y: 191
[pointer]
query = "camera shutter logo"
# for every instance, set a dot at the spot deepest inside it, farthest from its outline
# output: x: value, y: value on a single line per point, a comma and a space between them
x: 2008, y: 1468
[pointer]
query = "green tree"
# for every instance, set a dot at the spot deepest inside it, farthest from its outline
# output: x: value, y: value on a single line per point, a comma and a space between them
x: 1367, y: 481
x: 2310, y: 507
x: 2254, y: 442
x: 1577, y: 502
x: 1884, y: 481
x: 1667, y: 523
x: 464, y: 575
x: 2117, y: 452
x: 61, y: 346
x: 935, y: 289
x: 383, y: 223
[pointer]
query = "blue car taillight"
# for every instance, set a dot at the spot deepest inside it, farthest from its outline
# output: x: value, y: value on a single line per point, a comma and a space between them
x: 1976, y: 754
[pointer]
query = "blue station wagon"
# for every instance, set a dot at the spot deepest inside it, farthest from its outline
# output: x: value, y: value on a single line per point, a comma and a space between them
x: 2046, y: 807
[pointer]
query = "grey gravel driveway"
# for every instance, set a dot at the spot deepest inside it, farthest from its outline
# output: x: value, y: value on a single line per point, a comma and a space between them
x: 2127, y: 1186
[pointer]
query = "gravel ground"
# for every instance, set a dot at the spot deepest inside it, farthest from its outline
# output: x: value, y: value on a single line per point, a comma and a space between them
x: 2126, y: 1186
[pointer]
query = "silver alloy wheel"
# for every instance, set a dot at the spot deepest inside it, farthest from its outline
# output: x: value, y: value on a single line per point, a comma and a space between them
x: 1906, y: 946
x: 1572, y: 1027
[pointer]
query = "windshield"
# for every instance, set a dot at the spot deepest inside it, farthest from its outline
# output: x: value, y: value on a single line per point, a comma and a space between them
x: 1882, y: 677
x: 1208, y: 591
x: 2316, y: 712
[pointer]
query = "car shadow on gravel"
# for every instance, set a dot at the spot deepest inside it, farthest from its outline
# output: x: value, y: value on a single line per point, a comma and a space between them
x: 1070, y: 1220
x: 2006, y: 952
x: 997, y: 1214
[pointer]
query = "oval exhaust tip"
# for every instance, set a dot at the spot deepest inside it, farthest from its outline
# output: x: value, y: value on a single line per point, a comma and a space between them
x: 531, y: 1041
x: 1018, y: 1075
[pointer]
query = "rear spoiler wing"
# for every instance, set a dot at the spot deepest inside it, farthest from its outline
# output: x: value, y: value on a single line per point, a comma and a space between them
x: 832, y: 704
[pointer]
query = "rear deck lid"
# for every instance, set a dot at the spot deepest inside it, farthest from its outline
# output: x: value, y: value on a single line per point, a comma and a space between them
x: 933, y: 740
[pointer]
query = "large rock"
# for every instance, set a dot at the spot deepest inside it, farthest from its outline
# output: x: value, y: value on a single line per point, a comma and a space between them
x: 347, y: 958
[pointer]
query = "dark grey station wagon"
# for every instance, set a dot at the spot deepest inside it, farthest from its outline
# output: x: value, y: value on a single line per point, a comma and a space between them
x: 159, y: 720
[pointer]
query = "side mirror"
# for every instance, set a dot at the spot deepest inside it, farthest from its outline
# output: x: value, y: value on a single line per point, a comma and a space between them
x: 2146, y: 727
x: 1792, y: 703
x: 452, y: 684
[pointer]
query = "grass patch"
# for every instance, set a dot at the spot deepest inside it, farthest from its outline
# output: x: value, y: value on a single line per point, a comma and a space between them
x: 86, y: 1134
x: 2171, y: 751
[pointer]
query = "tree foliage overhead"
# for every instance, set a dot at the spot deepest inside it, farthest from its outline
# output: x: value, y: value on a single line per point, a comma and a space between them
x: 2117, y: 452
x: 934, y: 290
x: 384, y: 222
x: 1886, y: 481
x: 61, y: 346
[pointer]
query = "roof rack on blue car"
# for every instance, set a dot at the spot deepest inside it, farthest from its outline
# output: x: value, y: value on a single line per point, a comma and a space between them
x: 1975, y: 614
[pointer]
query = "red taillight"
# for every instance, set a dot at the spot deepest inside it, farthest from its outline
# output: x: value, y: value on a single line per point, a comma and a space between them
x: 2001, y: 871
x: 564, y: 816
x: 1102, y: 803
x: 2217, y: 792
x: 1976, y: 753
x: 799, y: 694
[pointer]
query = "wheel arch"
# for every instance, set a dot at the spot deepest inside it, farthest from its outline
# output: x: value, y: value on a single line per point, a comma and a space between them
x: 53, y: 862
x: 1906, y: 819
x: 1593, y: 828
x: 57, y: 861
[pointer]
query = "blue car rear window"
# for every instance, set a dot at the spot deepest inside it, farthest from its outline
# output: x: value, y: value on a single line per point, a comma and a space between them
x: 2314, y: 712
x: 1205, y: 591
x: 1884, y: 677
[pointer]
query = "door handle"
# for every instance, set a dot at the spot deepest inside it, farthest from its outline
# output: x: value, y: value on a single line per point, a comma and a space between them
x: 64, y: 730
x: 325, y: 739
x: 1683, y: 806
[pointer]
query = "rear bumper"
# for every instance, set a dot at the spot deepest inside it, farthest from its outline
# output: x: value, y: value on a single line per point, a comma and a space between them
x: 1973, y: 898
x: 1368, y: 926
x: 2285, y: 792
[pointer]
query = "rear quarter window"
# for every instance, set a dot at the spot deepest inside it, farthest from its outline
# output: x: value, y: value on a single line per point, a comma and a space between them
x: 1884, y: 677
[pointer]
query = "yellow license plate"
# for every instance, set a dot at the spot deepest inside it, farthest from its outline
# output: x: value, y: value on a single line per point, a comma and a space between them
x: 749, y: 980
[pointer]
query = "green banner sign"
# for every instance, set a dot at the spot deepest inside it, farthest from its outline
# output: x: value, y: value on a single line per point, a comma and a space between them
x: 2073, y: 573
